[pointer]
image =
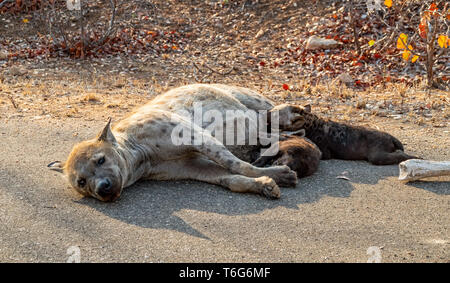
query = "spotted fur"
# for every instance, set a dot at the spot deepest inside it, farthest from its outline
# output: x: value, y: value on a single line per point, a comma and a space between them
x: 343, y: 141
x: 141, y: 147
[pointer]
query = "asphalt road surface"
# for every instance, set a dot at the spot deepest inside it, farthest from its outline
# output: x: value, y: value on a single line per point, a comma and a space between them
x: 324, y: 219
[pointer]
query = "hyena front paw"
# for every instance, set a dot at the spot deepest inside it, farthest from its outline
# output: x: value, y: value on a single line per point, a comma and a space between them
x: 283, y: 176
x: 267, y: 187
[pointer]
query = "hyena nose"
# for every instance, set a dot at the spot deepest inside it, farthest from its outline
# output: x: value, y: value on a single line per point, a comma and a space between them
x: 103, y: 187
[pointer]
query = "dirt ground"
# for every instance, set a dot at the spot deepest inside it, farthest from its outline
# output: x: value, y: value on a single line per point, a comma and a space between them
x: 47, y: 104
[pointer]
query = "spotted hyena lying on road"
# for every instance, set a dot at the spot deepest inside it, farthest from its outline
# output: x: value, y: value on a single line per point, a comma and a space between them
x: 141, y: 146
x: 342, y: 141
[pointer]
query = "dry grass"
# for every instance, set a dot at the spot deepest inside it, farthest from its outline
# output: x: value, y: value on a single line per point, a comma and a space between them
x: 102, y: 96
x: 91, y: 97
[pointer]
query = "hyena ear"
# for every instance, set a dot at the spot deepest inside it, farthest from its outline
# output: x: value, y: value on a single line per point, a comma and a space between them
x: 57, y: 166
x: 307, y: 108
x: 106, y: 135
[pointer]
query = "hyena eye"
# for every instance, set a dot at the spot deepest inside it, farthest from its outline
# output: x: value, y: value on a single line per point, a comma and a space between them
x: 101, y: 161
x: 81, y: 182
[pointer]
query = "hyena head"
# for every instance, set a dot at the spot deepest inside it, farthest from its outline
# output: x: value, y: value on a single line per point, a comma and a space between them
x: 292, y: 117
x: 93, y: 168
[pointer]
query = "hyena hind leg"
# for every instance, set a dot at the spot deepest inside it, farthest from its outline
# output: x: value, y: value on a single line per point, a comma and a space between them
x: 241, y: 184
x: 217, y: 152
x: 202, y: 169
x: 389, y: 158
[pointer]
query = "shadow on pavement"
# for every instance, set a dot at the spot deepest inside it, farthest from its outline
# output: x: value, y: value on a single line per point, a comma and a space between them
x: 154, y: 204
x: 436, y: 186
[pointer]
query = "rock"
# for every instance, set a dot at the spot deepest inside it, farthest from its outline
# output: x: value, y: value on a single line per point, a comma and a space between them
x: 361, y: 104
x: 315, y: 42
x: 380, y: 105
x: 260, y: 33
x: 13, y: 116
x: 345, y: 78
x: 17, y: 71
x: 3, y: 55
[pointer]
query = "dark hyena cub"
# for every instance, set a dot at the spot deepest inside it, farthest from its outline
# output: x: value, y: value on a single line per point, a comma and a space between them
x: 298, y: 153
x: 342, y: 141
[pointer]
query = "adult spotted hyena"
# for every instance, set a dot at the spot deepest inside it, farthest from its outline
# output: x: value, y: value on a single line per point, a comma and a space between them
x: 146, y: 145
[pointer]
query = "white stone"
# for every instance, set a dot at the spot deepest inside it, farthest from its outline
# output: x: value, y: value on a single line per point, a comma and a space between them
x: 345, y: 78
x: 18, y: 71
x: 3, y: 55
x: 315, y: 42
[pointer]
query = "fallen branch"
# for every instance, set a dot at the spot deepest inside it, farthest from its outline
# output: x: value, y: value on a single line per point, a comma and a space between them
x: 220, y: 73
x: 353, y: 24
x: 214, y: 71
x: 197, y: 67
x: 415, y: 169
x: 13, y: 102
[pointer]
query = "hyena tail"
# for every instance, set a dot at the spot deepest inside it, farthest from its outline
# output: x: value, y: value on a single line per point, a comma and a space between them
x: 398, y: 145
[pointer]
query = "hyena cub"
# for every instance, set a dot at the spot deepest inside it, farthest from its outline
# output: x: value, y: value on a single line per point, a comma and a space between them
x: 298, y: 153
x: 342, y: 141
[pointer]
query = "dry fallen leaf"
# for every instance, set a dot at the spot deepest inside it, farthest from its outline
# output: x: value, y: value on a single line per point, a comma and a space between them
x: 388, y: 3
x: 343, y: 178
x: 443, y: 41
x: 401, y: 41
